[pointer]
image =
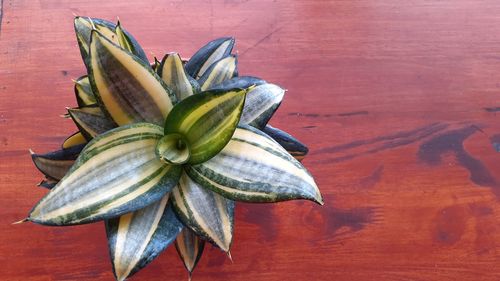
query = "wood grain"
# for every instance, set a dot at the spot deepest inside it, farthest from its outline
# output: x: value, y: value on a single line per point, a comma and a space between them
x: 398, y: 101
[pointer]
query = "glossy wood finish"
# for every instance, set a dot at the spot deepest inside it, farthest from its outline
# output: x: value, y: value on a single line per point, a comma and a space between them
x: 396, y: 99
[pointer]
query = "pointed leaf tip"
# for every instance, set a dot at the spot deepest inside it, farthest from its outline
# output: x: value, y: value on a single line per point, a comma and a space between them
x: 271, y: 173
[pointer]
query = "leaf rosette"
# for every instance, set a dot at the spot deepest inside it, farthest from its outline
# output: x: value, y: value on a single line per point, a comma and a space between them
x: 164, y: 150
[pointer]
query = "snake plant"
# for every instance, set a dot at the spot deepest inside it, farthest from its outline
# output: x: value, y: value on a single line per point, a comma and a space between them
x: 164, y: 149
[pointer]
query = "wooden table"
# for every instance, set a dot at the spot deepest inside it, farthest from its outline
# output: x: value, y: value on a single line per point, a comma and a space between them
x: 397, y: 101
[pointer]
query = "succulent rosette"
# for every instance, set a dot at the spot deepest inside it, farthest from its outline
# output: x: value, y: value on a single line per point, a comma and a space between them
x: 164, y: 150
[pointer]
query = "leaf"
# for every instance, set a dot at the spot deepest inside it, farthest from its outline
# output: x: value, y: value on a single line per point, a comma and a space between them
x: 208, y: 54
x: 207, y: 121
x: 254, y: 168
x: 220, y: 71
x: 241, y: 82
x: 127, y: 88
x: 205, y: 212
x: 117, y: 172
x: 174, y: 75
x: 128, y: 42
x: 297, y: 149
x: 55, y: 164
x: 190, y: 249
x: 83, y: 28
x: 83, y: 92
x: 74, y: 140
x: 260, y: 105
x: 91, y: 121
x: 173, y: 149
x: 135, y: 239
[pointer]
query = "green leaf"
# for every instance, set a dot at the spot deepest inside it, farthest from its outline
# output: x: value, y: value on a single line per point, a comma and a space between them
x: 208, y: 54
x: 127, y: 88
x: 128, y: 42
x: 254, y: 168
x: 241, y: 82
x: 207, y: 121
x: 136, y: 238
x: 83, y: 92
x: 297, y: 149
x: 190, y: 249
x: 74, y: 140
x: 117, y: 172
x: 57, y: 163
x: 260, y: 105
x: 220, y: 71
x: 173, y: 149
x: 91, y: 121
x: 174, y: 75
x: 205, y: 212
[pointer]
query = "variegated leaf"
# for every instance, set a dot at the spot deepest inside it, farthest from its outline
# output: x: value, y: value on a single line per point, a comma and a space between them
x: 254, y: 168
x: 74, y: 140
x: 208, y: 54
x: 84, y: 26
x: 83, y: 92
x: 207, y: 121
x: 190, y: 249
x: 220, y: 71
x: 127, y: 88
x: 57, y: 163
x: 117, y: 172
x: 174, y: 75
x: 136, y: 238
x: 91, y: 121
x: 241, y: 82
x: 128, y: 42
x: 287, y: 141
x: 205, y: 212
x: 83, y: 29
x: 260, y: 105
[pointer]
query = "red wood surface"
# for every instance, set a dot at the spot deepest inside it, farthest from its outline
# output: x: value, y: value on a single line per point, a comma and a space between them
x: 396, y: 100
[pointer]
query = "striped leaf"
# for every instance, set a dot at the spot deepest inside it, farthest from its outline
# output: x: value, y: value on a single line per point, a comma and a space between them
x: 83, y: 92
x: 208, y: 54
x: 260, y: 105
x: 127, y: 88
x: 174, y: 75
x: 84, y: 26
x: 83, y: 29
x: 136, y: 238
x: 254, y: 168
x: 190, y: 249
x: 205, y: 212
x: 57, y: 163
x: 117, y: 172
x: 128, y: 42
x: 207, y: 121
x: 287, y: 141
x: 91, y: 121
x: 241, y: 82
x: 220, y: 71
x: 74, y: 140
